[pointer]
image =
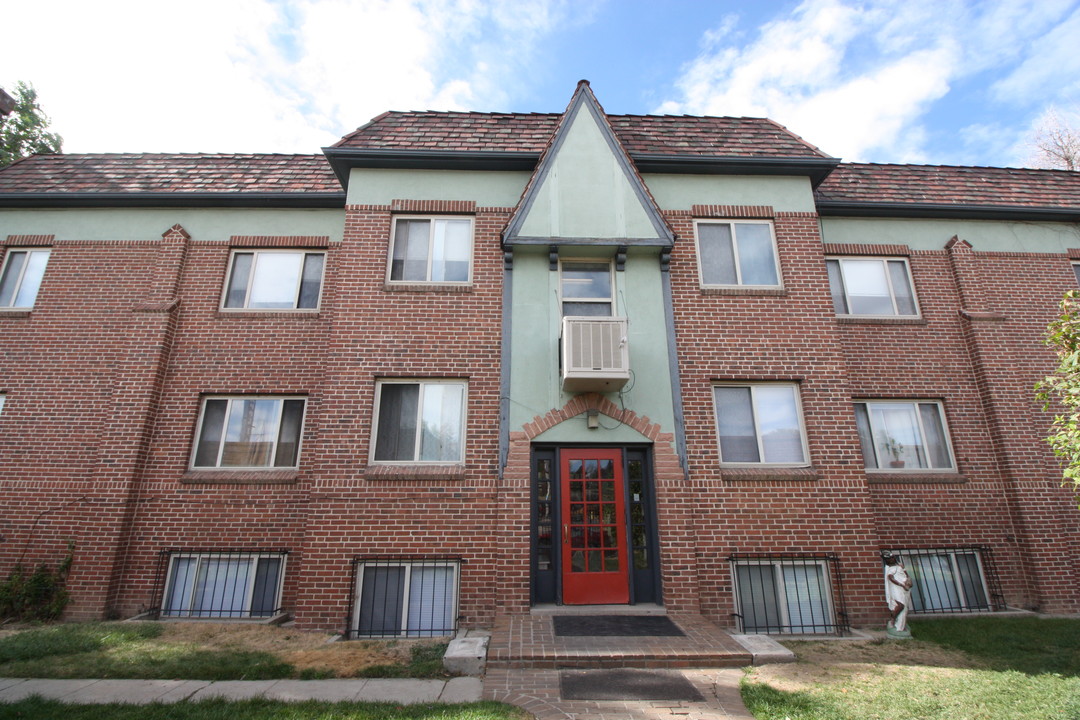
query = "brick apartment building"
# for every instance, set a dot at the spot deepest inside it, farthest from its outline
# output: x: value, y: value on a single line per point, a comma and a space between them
x: 462, y: 364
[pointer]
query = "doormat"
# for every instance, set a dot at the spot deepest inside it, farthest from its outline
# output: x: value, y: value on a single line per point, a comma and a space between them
x: 613, y: 625
x: 626, y: 685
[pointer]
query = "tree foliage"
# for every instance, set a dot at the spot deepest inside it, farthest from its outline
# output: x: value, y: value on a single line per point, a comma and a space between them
x: 1056, y: 143
x: 1061, y: 390
x: 25, y: 131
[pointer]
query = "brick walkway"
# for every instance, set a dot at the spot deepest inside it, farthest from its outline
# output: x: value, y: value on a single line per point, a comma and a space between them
x: 525, y: 656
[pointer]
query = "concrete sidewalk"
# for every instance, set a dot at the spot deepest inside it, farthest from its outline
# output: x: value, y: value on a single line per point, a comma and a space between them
x: 141, y: 692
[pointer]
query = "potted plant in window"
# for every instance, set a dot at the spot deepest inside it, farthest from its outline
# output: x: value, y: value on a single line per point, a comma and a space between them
x: 895, y: 448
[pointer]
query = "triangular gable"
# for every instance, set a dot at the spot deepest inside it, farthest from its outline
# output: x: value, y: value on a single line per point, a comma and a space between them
x: 585, y: 189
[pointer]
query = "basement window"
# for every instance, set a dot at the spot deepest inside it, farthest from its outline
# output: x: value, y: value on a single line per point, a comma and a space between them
x: 411, y: 598
x: 223, y: 584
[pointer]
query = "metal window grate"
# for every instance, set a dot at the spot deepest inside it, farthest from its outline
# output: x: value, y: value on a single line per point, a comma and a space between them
x: 952, y: 579
x: 797, y: 593
x: 232, y: 584
x: 403, y: 597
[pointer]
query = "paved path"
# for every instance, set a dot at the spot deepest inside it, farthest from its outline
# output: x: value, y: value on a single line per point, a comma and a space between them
x: 463, y: 689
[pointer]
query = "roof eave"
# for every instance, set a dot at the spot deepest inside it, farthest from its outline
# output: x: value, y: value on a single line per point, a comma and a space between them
x: 344, y: 159
x: 173, y: 199
x: 817, y: 169
x: 848, y: 208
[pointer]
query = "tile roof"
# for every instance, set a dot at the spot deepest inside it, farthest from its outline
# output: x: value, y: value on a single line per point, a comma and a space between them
x: 951, y: 185
x: 179, y: 173
x: 529, y: 133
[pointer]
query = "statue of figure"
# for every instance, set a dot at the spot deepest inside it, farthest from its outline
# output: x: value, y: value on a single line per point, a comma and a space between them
x: 898, y: 592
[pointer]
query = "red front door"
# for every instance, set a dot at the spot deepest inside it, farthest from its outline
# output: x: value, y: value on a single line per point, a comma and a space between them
x: 594, y: 562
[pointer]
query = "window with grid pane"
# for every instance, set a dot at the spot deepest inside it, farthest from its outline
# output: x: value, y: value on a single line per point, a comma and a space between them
x: 436, y: 250
x: 249, y: 432
x: 871, y: 286
x: 24, y: 269
x: 274, y: 280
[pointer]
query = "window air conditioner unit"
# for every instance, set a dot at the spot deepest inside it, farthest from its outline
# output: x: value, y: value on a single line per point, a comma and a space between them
x: 595, y: 354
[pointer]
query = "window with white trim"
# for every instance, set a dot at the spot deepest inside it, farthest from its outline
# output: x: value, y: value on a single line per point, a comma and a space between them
x: 274, y: 280
x: 1076, y: 271
x: 3, y: 397
x: 432, y: 249
x: 946, y: 580
x: 760, y: 424
x: 24, y: 269
x: 737, y: 253
x: 790, y: 595
x: 249, y: 432
x: 878, y: 287
x: 405, y: 598
x: 223, y: 585
x: 586, y: 287
x: 900, y: 436
x: 420, y: 421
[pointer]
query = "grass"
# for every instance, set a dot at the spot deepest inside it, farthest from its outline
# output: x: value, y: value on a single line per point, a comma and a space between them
x: 207, y: 652
x: 38, y: 709
x: 981, y: 668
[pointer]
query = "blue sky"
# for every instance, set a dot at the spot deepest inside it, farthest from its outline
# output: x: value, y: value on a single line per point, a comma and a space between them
x: 916, y: 81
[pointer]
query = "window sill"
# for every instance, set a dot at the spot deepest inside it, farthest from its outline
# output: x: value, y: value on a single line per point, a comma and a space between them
x: 761, y: 291
x: 291, y: 314
x: 915, y: 477
x: 414, y: 472
x: 240, y: 477
x: 420, y: 287
x: 14, y: 313
x: 741, y: 474
x: 875, y: 320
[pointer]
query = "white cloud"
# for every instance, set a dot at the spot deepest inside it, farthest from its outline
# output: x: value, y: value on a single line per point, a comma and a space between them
x: 262, y: 75
x: 859, y: 79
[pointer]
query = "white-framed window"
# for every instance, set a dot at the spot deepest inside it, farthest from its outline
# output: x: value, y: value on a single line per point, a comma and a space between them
x: 431, y: 249
x: 249, y: 432
x: 737, y: 253
x: 24, y: 269
x: 274, y: 280
x: 412, y: 598
x: 223, y: 584
x: 879, y: 287
x: 788, y: 595
x: 3, y: 397
x: 1076, y: 271
x: 420, y: 421
x: 760, y: 424
x: 946, y: 580
x: 903, y: 435
x: 586, y: 288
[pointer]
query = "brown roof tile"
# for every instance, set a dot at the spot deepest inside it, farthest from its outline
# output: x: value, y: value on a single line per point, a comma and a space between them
x: 152, y: 173
x: 951, y: 185
x: 529, y: 132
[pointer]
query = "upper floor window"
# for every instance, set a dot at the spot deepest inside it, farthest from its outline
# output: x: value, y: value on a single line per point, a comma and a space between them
x: 1076, y: 271
x: 906, y: 435
x: 420, y: 421
x: 437, y: 250
x: 585, y: 287
x: 871, y: 286
x: 249, y: 432
x: 737, y: 253
x: 275, y: 280
x: 23, y: 271
x: 760, y: 424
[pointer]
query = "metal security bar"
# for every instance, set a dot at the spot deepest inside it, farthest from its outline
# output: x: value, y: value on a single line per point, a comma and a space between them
x: 403, y: 597
x: 234, y: 584
x: 798, y: 593
x: 952, y: 579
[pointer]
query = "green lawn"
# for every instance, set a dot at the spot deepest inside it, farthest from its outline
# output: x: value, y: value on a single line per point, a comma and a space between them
x: 982, y: 668
x: 38, y: 709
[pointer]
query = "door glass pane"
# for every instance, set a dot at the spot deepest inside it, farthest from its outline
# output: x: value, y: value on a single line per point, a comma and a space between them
x: 717, y: 254
x: 756, y: 259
